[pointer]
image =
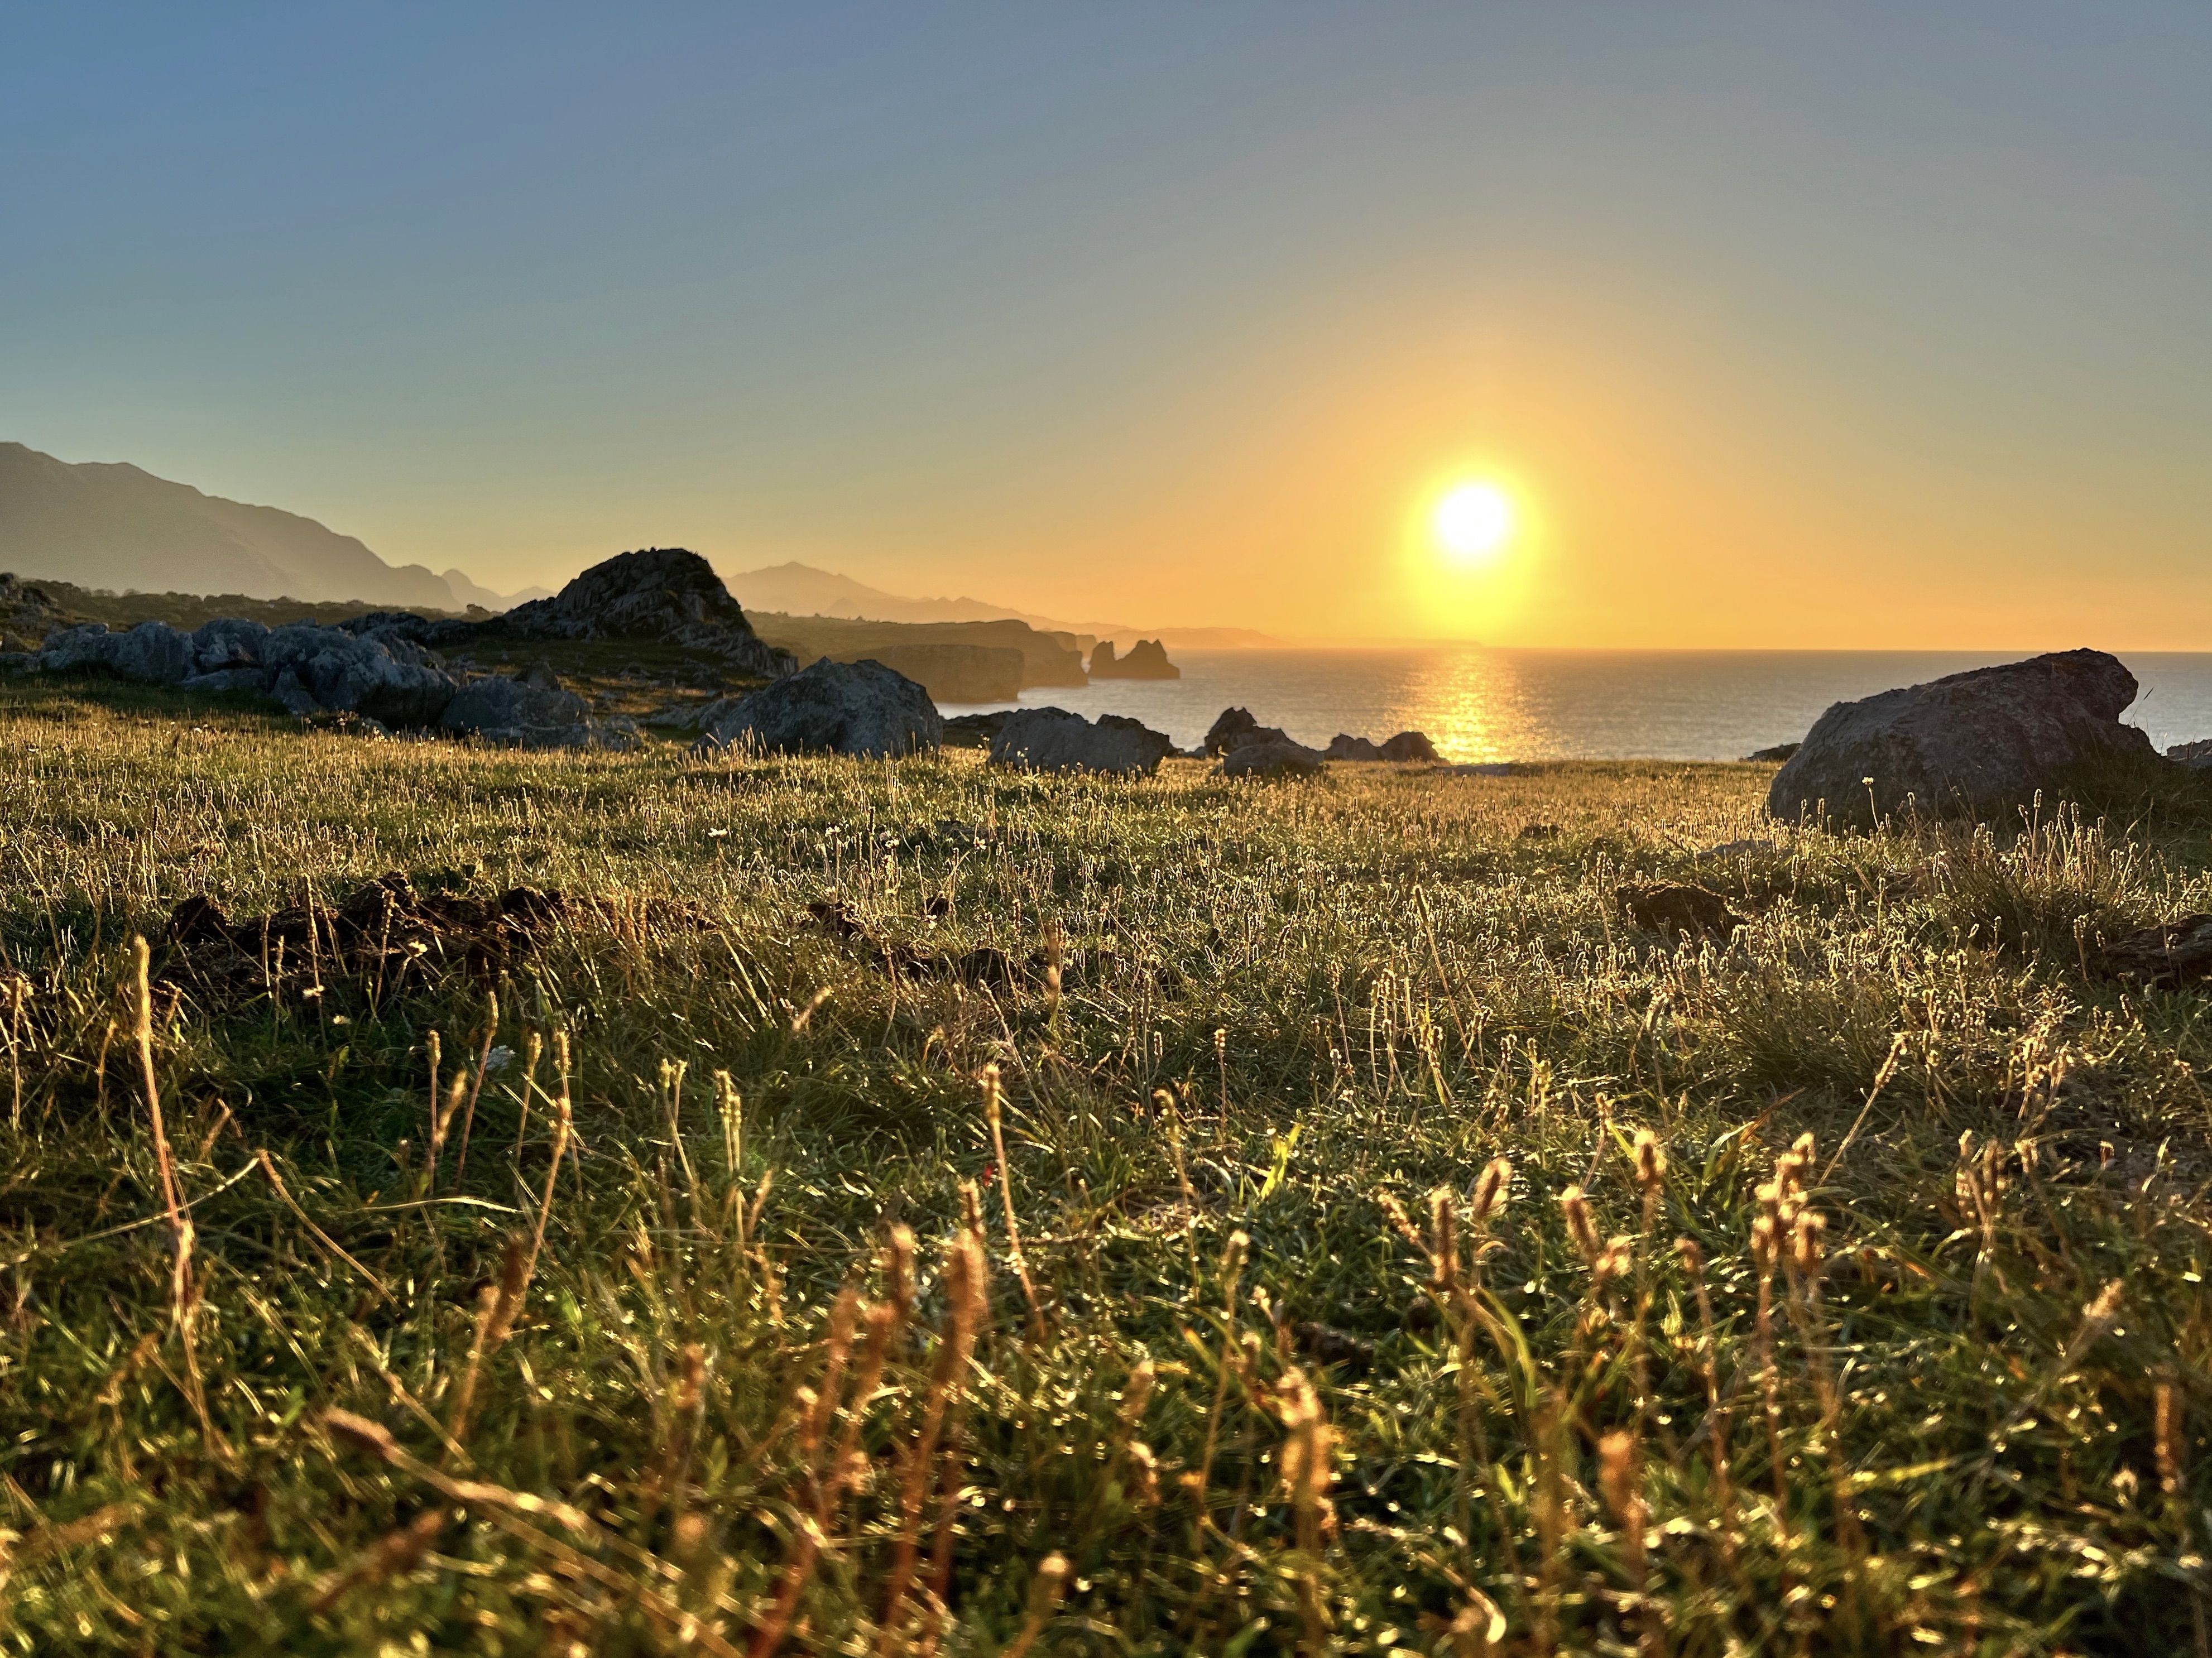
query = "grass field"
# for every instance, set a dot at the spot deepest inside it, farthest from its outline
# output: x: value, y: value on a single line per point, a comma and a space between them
x: 909, y: 1208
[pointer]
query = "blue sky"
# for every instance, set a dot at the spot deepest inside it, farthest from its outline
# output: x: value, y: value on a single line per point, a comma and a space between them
x: 1876, y: 324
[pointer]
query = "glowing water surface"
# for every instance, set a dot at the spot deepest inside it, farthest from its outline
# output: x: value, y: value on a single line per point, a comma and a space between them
x: 1479, y: 704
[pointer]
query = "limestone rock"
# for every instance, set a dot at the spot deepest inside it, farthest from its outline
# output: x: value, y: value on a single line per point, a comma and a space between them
x: 975, y: 731
x: 394, y: 681
x: 832, y: 707
x: 151, y: 653
x: 661, y: 594
x: 1053, y: 739
x: 1344, y: 746
x: 1410, y: 745
x: 1147, y: 659
x: 1981, y: 743
x: 1274, y: 756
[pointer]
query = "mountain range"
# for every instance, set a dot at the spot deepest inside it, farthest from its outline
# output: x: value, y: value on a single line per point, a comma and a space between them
x: 108, y: 525
x: 115, y: 525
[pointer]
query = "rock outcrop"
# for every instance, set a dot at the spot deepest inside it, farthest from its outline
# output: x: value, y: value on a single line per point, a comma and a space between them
x: 1234, y: 729
x: 977, y: 731
x: 2197, y: 755
x: 1275, y: 755
x: 661, y: 594
x: 1982, y: 742
x: 832, y: 707
x: 1147, y: 659
x: 1053, y: 739
x: 379, y: 675
x: 1406, y: 745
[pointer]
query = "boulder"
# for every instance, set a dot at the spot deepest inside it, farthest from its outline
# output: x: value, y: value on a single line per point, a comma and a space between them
x: 1053, y: 739
x: 1410, y: 745
x: 1232, y: 725
x: 229, y: 679
x: 391, y: 680
x: 832, y: 707
x: 1981, y: 743
x: 665, y: 594
x: 1274, y: 756
x: 151, y: 653
x: 534, y: 710
x: 1343, y: 746
x: 230, y: 642
x: 975, y: 731
x: 1147, y: 659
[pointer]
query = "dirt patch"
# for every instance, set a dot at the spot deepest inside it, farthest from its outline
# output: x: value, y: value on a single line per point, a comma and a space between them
x: 380, y: 937
x: 985, y: 966
x: 2173, y: 952
x: 1672, y: 907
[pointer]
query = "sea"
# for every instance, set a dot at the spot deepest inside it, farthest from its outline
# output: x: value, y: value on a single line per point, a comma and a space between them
x: 1479, y: 704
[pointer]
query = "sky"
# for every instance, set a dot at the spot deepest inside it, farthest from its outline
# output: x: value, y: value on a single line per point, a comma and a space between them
x: 1782, y: 325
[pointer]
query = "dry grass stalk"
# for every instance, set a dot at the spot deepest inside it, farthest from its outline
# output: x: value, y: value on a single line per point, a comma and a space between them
x: 993, y: 1097
x: 394, y: 1554
x: 184, y: 1297
x: 495, y: 1315
x: 1045, y: 1592
x: 965, y: 1275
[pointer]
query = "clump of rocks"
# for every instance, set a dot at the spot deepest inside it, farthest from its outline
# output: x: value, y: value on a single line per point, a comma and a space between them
x: 1247, y: 748
x: 833, y: 707
x: 378, y: 675
x: 1053, y: 739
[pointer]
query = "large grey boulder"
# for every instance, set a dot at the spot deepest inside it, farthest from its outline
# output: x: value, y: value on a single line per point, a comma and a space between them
x: 1274, y: 756
x: 832, y: 707
x: 1982, y: 742
x: 152, y: 653
x: 1053, y: 739
x: 665, y: 594
x: 535, y: 712
x: 391, y: 680
x: 230, y: 642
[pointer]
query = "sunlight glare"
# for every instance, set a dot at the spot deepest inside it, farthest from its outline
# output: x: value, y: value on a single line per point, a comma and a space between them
x: 1473, y: 522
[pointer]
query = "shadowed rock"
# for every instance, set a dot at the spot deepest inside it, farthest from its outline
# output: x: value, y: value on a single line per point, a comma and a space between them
x: 661, y: 594
x: 832, y: 707
x: 1274, y: 756
x: 1147, y: 659
x: 1980, y: 744
x: 1053, y: 739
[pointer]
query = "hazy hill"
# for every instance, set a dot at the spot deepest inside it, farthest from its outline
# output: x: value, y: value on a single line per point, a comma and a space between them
x: 800, y: 590
x: 112, y: 525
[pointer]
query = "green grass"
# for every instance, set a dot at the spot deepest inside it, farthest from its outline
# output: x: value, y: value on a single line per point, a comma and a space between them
x: 1284, y: 1017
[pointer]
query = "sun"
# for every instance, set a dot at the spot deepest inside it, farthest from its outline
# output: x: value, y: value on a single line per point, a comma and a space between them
x: 1473, y: 522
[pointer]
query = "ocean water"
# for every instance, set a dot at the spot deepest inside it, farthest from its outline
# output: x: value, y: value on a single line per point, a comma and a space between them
x: 1479, y: 704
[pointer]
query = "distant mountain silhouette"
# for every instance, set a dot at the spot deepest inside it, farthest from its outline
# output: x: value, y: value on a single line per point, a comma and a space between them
x: 113, y: 525
x: 800, y: 590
